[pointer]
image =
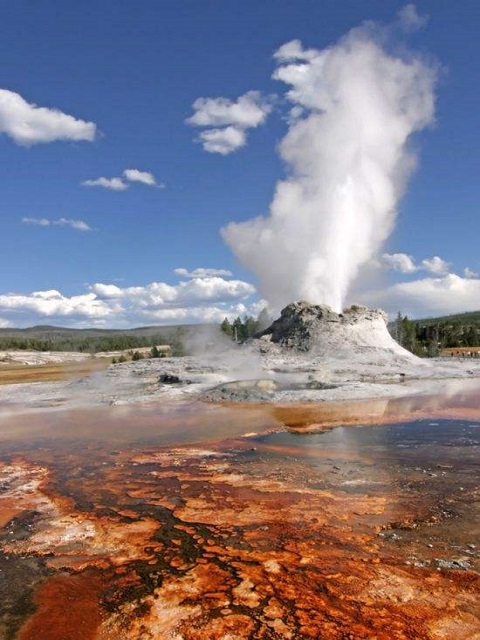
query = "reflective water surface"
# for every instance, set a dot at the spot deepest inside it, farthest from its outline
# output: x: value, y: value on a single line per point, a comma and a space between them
x: 354, y: 520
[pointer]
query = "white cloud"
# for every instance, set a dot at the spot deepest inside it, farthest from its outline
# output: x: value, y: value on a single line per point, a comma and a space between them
x: 106, y: 291
x: 200, y: 299
x: 46, y: 304
x: 292, y: 51
x: 213, y: 289
x: 435, y: 265
x: 80, y: 225
x: 201, y: 272
x: 399, y: 262
x: 4, y: 323
x: 145, y: 177
x: 250, y: 110
x: 405, y: 263
x: 229, y: 120
x: 115, y: 184
x: 50, y: 294
x: 26, y: 124
x: 410, y: 20
x: 223, y: 141
x: 119, y: 184
x: 470, y: 273
x: 429, y: 296
x: 40, y: 222
x: 295, y: 114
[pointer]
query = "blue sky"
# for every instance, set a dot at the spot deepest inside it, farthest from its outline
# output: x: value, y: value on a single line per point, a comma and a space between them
x: 125, y: 75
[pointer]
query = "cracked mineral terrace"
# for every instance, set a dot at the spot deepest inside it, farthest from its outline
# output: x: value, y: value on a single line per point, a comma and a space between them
x: 131, y: 510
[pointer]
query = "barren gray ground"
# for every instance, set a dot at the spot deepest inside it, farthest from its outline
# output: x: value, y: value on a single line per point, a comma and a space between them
x: 243, y: 375
x: 310, y: 354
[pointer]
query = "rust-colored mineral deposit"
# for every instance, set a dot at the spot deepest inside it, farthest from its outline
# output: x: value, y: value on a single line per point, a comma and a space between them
x: 226, y: 523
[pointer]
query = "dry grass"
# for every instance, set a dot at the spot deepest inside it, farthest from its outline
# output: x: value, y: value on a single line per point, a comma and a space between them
x: 18, y: 373
x: 459, y: 351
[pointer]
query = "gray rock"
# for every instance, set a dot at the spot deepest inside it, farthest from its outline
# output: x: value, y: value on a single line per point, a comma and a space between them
x: 169, y: 378
x: 454, y: 564
x: 317, y: 329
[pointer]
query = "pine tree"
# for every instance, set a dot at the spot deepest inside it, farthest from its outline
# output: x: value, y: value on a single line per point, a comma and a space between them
x: 237, y: 329
x: 226, y: 327
x: 250, y: 327
x: 154, y: 352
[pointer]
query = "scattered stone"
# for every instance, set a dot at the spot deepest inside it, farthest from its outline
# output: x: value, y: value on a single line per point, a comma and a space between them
x: 242, y: 391
x: 455, y: 564
x: 169, y: 378
x: 390, y: 535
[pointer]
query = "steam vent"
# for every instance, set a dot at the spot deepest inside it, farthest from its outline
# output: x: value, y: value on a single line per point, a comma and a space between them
x: 319, y: 330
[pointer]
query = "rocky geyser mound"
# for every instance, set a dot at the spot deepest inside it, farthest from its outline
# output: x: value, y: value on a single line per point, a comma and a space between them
x: 318, y: 330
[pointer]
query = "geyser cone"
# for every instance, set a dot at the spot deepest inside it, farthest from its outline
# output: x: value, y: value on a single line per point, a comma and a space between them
x: 319, y: 330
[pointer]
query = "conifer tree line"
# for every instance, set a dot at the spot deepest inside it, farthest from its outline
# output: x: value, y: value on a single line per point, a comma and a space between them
x: 138, y: 355
x: 241, y: 329
x: 91, y: 344
x: 429, y: 337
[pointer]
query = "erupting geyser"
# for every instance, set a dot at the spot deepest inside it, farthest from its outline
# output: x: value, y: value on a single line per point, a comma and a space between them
x: 355, y: 107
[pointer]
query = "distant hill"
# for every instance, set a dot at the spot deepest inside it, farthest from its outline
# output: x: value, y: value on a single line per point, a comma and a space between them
x: 467, y: 318
x: 46, y: 331
x: 51, y: 338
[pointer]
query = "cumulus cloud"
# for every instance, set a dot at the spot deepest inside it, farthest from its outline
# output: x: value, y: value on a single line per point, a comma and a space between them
x: 399, y: 262
x: 201, y: 272
x: 27, y: 124
x: 292, y: 51
x: 429, y: 296
x: 228, y: 121
x: 185, y: 294
x: 348, y: 158
x: 405, y: 263
x: 249, y: 110
x: 410, y: 20
x: 80, y: 225
x: 145, y: 177
x: 199, y: 299
x: 46, y: 304
x: 435, y: 265
x: 106, y: 291
x: 223, y: 141
x: 114, y: 184
x: 470, y: 273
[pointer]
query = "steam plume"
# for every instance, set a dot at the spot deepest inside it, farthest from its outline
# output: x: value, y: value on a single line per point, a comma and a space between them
x: 355, y: 107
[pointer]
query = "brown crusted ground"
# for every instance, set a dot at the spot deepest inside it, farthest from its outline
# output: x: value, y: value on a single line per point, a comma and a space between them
x: 68, y: 607
x: 240, y: 538
x: 18, y: 373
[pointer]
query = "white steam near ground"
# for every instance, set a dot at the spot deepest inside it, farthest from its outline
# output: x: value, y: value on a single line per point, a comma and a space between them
x: 354, y: 109
x: 216, y: 350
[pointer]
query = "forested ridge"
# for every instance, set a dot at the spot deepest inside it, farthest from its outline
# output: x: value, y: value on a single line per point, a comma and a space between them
x: 429, y: 336
x: 46, y: 338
